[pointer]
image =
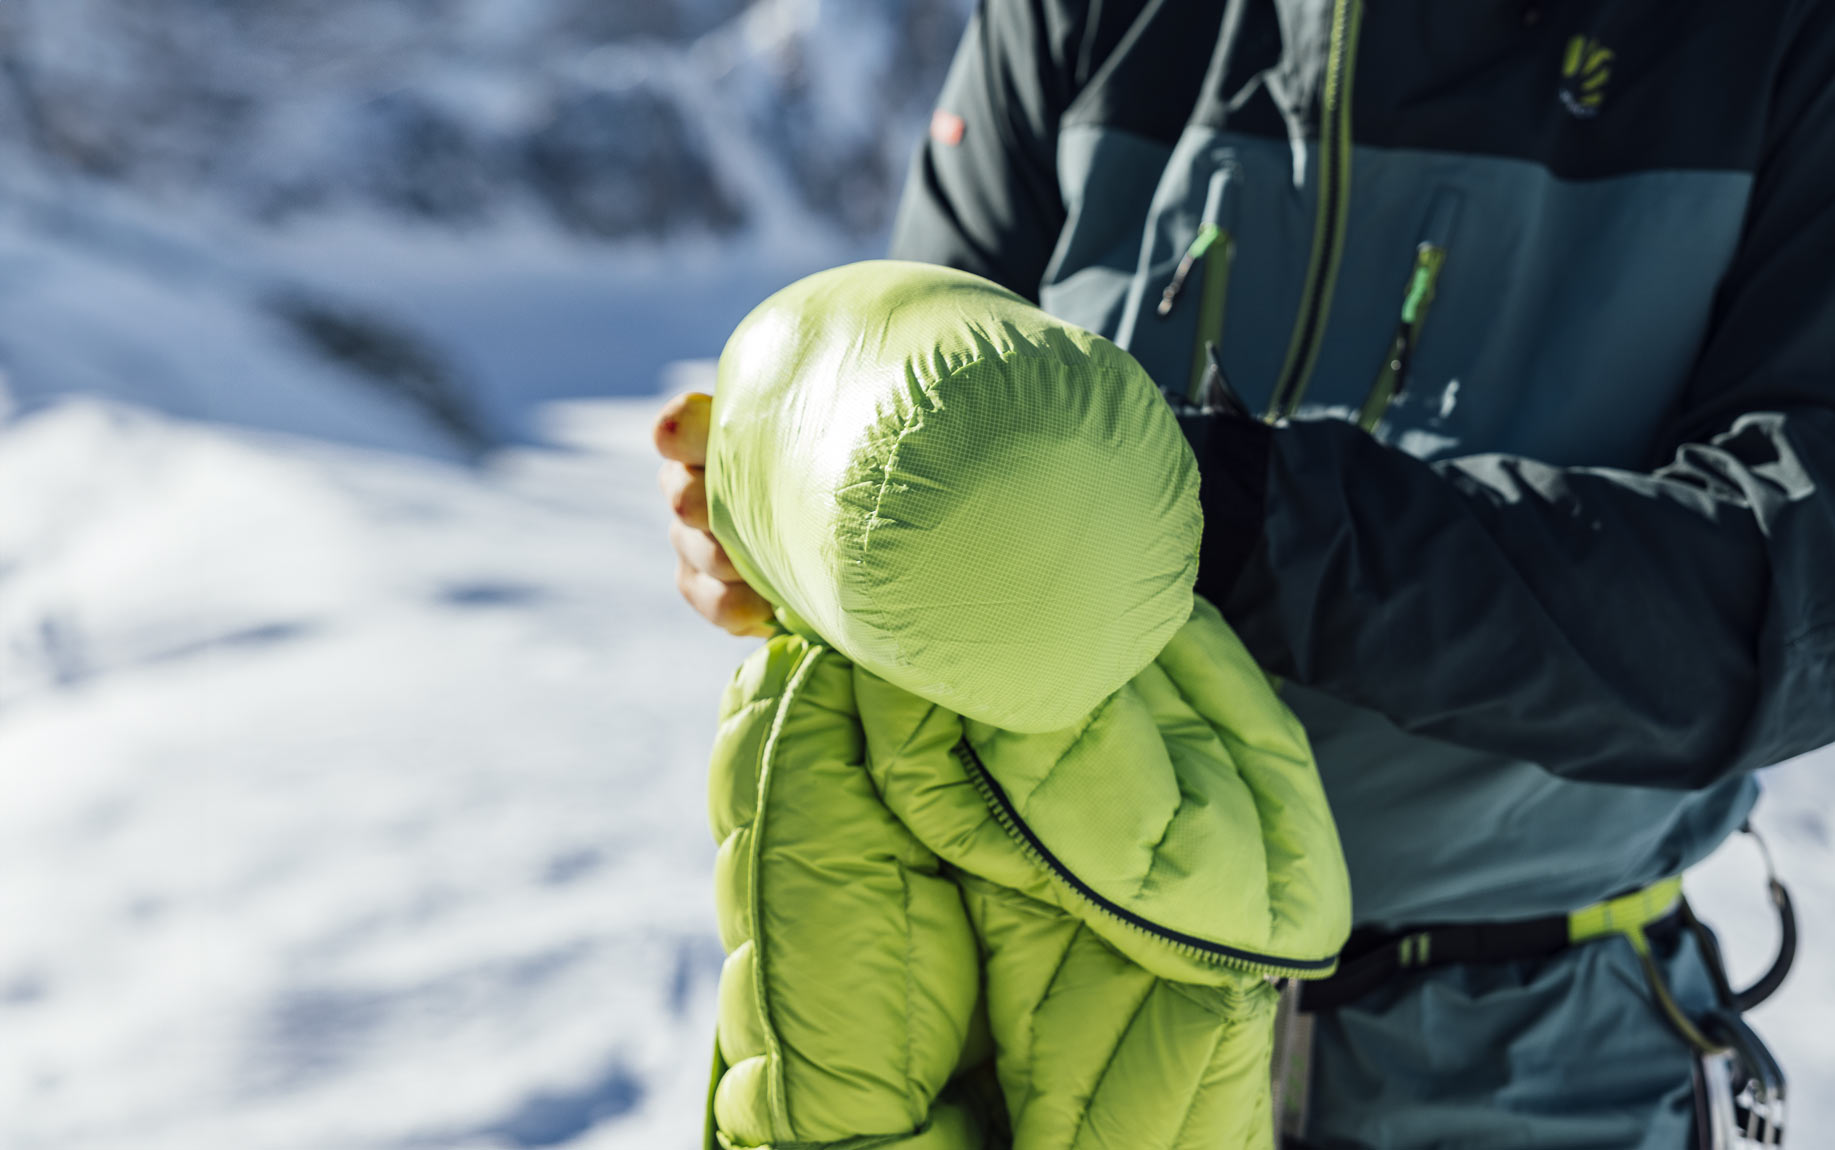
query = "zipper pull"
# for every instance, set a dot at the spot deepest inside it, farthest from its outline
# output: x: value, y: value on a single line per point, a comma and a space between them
x: 1200, y: 244
x: 1388, y: 382
x: 1421, y: 286
x: 1402, y: 350
x: 1394, y: 375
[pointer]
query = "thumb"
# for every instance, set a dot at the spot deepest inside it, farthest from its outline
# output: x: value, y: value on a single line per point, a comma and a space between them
x: 681, y: 428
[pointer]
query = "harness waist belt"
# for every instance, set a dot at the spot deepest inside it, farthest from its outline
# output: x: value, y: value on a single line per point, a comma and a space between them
x: 1372, y: 957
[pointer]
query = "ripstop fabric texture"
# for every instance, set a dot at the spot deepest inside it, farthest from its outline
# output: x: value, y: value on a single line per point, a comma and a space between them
x: 957, y: 489
x: 957, y: 916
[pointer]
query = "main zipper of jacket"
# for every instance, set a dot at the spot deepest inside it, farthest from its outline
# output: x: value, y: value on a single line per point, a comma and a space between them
x: 1334, y: 176
x: 1202, y: 949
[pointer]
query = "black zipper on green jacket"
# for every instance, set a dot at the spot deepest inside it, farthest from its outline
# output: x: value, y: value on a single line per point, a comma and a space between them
x: 1009, y: 819
x: 1334, y: 202
x: 1394, y: 374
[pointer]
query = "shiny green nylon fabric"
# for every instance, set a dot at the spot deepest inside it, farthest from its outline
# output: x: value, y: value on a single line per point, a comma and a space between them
x: 945, y: 932
x: 954, y: 488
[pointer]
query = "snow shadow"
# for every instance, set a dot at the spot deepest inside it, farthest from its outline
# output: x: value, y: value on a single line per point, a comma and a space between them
x: 553, y: 1118
x: 490, y: 593
x: 57, y: 653
x: 246, y: 638
x: 697, y: 960
x: 572, y: 865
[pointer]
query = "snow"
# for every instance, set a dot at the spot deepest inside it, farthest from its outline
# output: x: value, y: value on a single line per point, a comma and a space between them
x: 1796, y: 816
x: 351, y: 784
x: 533, y: 319
x: 351, y: 799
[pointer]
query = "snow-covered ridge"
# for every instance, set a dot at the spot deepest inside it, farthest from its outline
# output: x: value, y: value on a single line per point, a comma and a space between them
x: 408, y: 223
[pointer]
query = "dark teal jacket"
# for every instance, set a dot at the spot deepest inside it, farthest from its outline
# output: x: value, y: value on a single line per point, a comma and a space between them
x: 1577, y: 581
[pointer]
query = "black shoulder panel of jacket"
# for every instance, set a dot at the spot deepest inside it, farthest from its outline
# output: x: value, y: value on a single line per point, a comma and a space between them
x: 982, y: 194
x: 1690, y: 83
x: 1661, y: 628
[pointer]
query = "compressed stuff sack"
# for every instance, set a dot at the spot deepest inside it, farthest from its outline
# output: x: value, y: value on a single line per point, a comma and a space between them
x: 954, y: 488
x: 949, y: 929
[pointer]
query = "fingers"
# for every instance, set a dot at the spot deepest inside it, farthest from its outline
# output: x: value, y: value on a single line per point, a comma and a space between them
x: 681, y: 428
x: 703, y: 573
x: 685, y: 488
x: 703, y: 552
x: 733, y: 607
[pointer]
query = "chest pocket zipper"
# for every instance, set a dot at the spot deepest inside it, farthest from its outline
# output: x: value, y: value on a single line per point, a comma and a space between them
x: 1417, y: 298
x: 1208, y: 256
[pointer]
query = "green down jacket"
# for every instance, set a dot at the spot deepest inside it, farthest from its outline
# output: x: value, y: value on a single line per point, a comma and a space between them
x: 1013, y: 833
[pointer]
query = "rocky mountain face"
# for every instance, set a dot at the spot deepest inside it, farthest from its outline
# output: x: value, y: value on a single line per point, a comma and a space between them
x: 617, y: 119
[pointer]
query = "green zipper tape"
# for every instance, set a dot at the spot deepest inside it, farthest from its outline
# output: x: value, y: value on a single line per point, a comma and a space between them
x: 1334, y: 208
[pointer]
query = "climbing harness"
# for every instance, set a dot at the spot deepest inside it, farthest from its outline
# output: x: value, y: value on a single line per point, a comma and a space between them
x: 1740, y: 1088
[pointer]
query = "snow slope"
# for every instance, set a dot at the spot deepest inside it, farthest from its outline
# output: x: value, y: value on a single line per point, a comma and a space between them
x: 350, y: 779
x: 347, y: 799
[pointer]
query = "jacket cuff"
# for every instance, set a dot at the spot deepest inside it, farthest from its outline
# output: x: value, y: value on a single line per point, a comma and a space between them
x: 1235, y: 573
x: 1233, y: 454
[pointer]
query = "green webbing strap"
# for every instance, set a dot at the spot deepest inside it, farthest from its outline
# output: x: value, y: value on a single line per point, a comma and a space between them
x: 1415, y: 949
x: 1374, y: 957
x: 1626, y: 913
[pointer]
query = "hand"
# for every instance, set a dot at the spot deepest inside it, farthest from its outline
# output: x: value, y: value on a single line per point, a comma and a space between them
x: 703, y: 573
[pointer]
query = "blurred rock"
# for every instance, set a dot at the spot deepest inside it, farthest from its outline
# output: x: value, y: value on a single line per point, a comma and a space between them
x: 595, y: 21
x: 625, y: 163
x: 388, y: 357
x: 457, y: 112
x: 419, y: 158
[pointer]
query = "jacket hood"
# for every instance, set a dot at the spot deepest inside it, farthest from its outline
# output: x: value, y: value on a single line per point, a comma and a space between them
x: 982, y: 504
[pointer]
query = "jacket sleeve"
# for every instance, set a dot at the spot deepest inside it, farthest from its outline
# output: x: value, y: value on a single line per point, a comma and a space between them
x: 1663, y: 628
x: 982, y: 194
x: 851, y: 979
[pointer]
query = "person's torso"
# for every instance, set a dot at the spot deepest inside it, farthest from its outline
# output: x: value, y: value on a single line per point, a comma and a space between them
x: 1531, y: 208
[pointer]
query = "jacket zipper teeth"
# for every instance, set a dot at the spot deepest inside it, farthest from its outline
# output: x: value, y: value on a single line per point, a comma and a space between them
x: 1334, y: 183
x: 1197, y: 948
x: 1394, y: 375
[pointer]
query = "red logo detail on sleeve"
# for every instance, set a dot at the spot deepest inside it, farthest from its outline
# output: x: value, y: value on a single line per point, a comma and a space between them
x: 946, y: 128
